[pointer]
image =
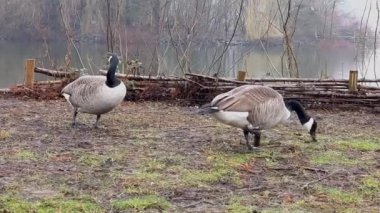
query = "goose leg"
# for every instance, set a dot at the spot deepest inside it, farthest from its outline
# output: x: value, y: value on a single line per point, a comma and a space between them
x: 74, y: 118
x: 246, y: 135
x: 97, y: 121
x: 257, y: 138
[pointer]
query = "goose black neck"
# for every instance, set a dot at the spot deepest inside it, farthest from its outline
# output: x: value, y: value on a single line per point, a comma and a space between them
x: 112, y: 81
x: 297, y: 107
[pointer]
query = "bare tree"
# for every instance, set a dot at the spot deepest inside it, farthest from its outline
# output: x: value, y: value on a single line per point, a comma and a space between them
x: 69, y: 17
x: 289, y: 22
x: 375, y: 40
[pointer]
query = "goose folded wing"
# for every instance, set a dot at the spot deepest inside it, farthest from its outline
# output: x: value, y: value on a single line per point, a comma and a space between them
x: 84, y: 88
x: 245, y: 99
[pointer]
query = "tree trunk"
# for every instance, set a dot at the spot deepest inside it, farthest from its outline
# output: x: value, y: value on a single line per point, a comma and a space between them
x: 154, y: 68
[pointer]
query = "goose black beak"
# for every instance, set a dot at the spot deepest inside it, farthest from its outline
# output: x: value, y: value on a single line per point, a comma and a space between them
x: 313, y: 131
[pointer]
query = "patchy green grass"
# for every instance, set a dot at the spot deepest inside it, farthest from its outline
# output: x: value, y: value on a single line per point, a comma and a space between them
x: 364, y: 145
x: 223, y: 168
x: 143, y: 183
x: 70, y: 205
x: 142, y: 203
x: 333, y: 157
x: 204, y: 178
x: 13, y: 203
x: 93, y: 160
x: 4, y: 135
x: 370, y: 185
x: 342, y: 197
x: 239, y: 204
x: 26, y: 155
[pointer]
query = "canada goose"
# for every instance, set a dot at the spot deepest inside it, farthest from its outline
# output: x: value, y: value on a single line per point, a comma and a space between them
x: 254, y: 108
x: 96, y: 94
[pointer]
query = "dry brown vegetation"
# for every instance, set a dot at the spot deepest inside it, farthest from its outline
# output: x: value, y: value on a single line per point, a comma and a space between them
x: 159, y: 157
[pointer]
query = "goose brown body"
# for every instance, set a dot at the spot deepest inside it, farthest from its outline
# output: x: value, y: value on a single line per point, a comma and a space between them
x: 263, y: 107
x: 254, y: 108
x: 90, y: 94
x: 96, y: 94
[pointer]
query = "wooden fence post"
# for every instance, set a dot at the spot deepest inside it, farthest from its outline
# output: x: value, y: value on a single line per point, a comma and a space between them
x: 353, y: 81
x: 241, y: 75
x: 29, y: 68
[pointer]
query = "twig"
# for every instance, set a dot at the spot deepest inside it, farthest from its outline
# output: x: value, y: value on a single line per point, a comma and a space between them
x: 314, y: 169
x: 283, y: 168
x: 194, y: 82
x: 306, y: 186
x: 252, y: 188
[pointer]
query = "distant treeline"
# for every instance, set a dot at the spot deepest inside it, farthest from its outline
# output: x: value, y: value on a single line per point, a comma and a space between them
x: 171, y: 20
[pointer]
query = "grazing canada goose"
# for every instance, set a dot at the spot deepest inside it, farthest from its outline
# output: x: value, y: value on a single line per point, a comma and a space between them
x: 95, y: 94
x: 254, y: 108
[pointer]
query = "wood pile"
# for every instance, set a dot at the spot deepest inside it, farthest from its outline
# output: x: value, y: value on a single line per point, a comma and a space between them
x: 323, y: 93
x: 199, y: 89
x: 43, y: 90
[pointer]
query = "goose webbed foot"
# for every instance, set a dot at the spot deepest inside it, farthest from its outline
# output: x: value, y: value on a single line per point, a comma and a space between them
x: 257, y: 136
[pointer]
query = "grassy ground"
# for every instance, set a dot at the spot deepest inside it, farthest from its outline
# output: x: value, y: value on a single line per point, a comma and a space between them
x: 156, y: 157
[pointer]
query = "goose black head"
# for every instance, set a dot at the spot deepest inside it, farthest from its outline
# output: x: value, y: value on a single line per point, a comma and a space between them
x: 308, y: 122
x: 113, y: 60
x: 311, y: 126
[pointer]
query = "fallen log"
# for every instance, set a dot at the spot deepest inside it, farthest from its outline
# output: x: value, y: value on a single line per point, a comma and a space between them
x: 6, y: 90
x: 216, y: 79
x: 142, y: 78
x: 54, y: 73
x: 315, y: 80
x: 294, y: 80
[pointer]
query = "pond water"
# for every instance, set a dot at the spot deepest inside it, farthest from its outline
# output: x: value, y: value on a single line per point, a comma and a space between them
x: 333, y: 61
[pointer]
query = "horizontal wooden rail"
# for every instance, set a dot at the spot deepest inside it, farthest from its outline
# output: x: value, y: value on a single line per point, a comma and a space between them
x: 54, y: 73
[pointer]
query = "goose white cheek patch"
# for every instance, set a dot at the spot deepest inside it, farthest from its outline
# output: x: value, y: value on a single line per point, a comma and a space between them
x: 308, y: 124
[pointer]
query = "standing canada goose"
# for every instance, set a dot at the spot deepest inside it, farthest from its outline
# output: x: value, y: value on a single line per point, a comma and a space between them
x: 96, y: 94
x: 254, y: 108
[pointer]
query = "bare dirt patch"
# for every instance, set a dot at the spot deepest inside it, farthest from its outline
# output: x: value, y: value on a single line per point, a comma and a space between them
x: 160, y: 157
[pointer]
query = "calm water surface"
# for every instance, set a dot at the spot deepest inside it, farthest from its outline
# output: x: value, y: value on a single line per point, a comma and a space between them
x: 313, y: 62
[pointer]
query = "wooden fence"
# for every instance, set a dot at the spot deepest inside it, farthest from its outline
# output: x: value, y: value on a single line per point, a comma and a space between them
x: 196, y: 88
